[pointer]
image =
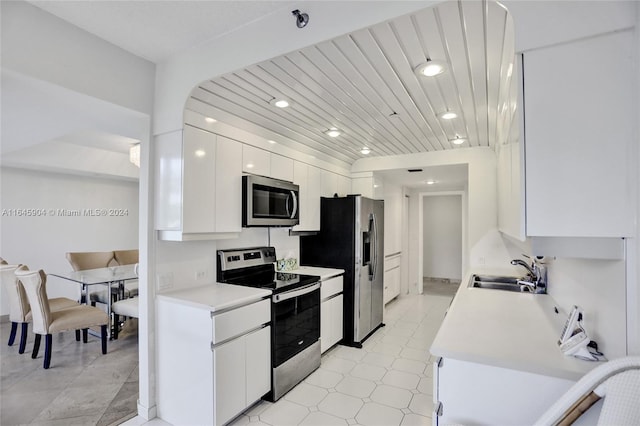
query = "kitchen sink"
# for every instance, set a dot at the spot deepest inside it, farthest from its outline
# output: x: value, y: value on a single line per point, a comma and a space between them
x: 499, y: 282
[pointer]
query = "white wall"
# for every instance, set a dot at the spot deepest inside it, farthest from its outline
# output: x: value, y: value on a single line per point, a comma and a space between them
x: 42, y: 241
x: 442, y: 236
x: 40, y: 45
x: 597, y: 286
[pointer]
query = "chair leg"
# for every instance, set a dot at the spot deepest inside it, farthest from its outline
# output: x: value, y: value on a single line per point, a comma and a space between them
x: 103, y: 338
x: 12, y: 336
x: 36, y: 346
x: 48, y: 340
x: 77, y: 335
x: 85, y: 333
x: 116, y: 326
x: 23, y: 337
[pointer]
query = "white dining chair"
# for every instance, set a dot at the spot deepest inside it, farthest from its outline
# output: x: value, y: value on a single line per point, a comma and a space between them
x: 46, y: 322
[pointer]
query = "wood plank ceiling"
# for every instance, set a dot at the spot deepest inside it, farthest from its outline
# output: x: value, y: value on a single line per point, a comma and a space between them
x: 364, y: 84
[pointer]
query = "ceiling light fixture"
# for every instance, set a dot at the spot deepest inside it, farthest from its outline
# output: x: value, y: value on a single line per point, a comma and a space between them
x: 447, y: 115
x: 365, y: 150
x: 332, y: 132
x: 200, y: 153
x: 272, y: 142
x: 430, y: 182
x: 280, y: 103
x: 458, y: 140
x: 430, y: 68
x: 210, y: 120
x: 302, y: 19
x: 134, y: 154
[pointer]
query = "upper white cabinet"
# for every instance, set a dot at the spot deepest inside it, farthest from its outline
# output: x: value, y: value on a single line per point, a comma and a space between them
x: 511, y: 219
x: 264, y: 163
x: 281, y: 167
x: 198, y: 192
x: 308, y: 179
x: 256, y: 161
x: 579, y: 138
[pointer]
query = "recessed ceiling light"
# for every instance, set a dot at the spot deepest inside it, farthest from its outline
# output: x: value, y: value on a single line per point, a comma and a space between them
x: 271, y: 142
x: 365, y: 150
x: 249, y: 166
x: 430, y: 182
x: 280, y: 103
x: 200, y: 153
x: 458, y: 140
x: 332, y: 132
x: 447, y: 115
x: 430, y: 68
x: 210, y: 120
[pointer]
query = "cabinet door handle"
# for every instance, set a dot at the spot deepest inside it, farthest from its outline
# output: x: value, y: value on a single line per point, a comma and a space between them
x: 438, y: 409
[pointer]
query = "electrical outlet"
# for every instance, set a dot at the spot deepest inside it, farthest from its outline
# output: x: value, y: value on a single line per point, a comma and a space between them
x: 201, y: 275
x: 165, y: 281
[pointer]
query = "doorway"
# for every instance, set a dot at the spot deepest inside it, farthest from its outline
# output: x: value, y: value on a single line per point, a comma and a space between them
x: 441, y: 247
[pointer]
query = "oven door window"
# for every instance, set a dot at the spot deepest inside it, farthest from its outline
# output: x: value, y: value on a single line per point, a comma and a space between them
x: 272, y: 202
x: 296, y: 325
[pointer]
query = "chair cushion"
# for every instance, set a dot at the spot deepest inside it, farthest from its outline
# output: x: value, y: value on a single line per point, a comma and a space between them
x: 78, y: 317
x: 56, y: 304
x: 126, y: 307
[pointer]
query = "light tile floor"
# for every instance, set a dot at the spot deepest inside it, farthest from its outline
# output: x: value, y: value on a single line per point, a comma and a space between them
x: 388, y: 382
x: 82, y: 386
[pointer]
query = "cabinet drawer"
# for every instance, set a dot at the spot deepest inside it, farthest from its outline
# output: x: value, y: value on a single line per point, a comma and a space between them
x: 330, y: 287
x: 392, y: 262
x: 237, y: 321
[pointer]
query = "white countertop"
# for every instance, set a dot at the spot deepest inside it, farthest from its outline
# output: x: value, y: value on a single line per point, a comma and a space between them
x: 216, y: 296
x: 323, y: 273
x: 510, y: 330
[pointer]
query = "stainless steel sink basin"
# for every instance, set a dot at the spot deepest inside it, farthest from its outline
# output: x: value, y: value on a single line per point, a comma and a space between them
x: 497, y: 282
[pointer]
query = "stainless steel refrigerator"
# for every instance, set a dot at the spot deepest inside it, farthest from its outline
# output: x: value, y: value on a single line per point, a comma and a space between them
x: 351, y: 237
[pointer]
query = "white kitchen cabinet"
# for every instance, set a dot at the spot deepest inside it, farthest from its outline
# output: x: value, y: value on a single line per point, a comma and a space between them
x: 328, y: 183
x: 331, y: 312
x: 511, y: 220
x: 241, y: 371
x: 391, y: 277
x: 308, y: 179
x: 281, y: 167
x: 197, y: 181
x: 256, y: 161
x: 344, y: 186
x: 491, y: 395
x: 228, y: 217
x: 211, y: 366
x: 578, y: 138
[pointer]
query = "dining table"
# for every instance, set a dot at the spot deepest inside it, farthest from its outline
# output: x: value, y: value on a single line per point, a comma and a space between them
x: 112, y: 277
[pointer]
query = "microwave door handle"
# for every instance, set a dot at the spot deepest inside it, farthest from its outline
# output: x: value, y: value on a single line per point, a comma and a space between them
x: 295, y: 205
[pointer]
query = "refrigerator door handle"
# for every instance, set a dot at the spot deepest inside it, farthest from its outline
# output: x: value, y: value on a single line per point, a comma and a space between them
x: 374, y: 245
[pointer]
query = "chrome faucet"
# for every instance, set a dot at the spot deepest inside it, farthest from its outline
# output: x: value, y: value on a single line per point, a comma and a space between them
x: 537, y: 272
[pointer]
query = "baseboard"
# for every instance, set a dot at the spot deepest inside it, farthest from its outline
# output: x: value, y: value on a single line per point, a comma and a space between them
x: 147, y: 413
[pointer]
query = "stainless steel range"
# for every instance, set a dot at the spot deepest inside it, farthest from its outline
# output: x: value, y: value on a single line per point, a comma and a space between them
x: 295, y: 312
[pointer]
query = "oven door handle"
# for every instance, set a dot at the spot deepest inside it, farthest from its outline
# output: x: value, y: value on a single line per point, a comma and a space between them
x: 295, y: 293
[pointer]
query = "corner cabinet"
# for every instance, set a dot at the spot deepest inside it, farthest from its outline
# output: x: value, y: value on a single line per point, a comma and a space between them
x: 579, y: 136
x: 198, y: 185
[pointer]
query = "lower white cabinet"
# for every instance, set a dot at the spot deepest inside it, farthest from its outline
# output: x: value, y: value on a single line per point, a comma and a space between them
x: 331, y: 312
x: 486, y: 395
x: 211, y: 365
x: 241, y: 371
x: 391, y: 277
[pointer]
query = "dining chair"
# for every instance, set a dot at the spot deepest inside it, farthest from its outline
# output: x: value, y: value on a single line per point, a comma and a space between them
x: 616, y: 381
x: 128, y: 257
x: 81, y: 261
x: 125, y: 307
x: 46, y: 322
x: 19, y: 309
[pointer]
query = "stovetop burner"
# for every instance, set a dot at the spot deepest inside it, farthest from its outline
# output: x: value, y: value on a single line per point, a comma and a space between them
x: 254, y: 267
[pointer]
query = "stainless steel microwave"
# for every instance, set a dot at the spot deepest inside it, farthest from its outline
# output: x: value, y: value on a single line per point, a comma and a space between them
x: 269, y: 202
